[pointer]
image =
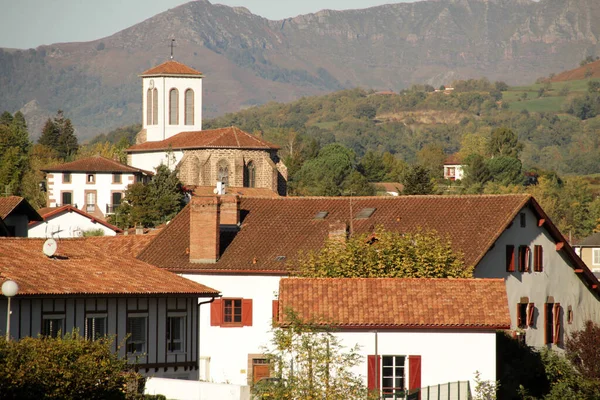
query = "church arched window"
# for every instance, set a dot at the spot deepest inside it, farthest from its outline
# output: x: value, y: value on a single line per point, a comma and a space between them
x: 155, y: 107
x: 223, y: 172
x: 189, y: 107
x: 250, y: 175
x: 149, y: 107
x: 174, y: 107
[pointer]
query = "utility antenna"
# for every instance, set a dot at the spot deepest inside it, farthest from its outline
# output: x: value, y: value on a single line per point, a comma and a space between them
x: 172, y: 46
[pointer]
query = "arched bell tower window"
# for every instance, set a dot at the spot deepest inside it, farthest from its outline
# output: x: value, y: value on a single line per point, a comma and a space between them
x: 189, y: 107
x: 250, y: 175
x: 149, y: 107
x: 155, y: 107
x: 173, y: 107
x: 223, y: 172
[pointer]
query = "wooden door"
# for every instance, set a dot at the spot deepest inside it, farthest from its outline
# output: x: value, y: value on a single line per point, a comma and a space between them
x: 260, y: 369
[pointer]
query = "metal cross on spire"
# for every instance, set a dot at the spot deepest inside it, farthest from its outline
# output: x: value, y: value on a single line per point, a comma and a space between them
x: 172, y: 46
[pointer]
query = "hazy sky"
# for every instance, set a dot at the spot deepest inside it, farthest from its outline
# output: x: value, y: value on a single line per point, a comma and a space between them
x: 30, y: 23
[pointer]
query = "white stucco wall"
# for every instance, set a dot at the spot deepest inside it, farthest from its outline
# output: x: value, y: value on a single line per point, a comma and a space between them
x: 103, y: 186
x: 446, y: 355
x: 163, y: 130
x: 189, y: 390
x: 149, y: 161
x: 557, y: 280
x: 228, y: 348
x: 66, y: 225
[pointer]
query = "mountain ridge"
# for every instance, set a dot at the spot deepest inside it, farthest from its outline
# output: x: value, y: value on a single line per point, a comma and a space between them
x: 249, y: 60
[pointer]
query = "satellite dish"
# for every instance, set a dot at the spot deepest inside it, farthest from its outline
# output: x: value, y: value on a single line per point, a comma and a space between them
x: 50, y: 247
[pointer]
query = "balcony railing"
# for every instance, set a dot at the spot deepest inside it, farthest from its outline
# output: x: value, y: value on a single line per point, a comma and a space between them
x: 68, y: 204
x: 110, y: 208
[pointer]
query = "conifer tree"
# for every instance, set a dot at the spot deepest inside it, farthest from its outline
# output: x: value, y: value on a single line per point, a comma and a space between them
x: 59, y: 135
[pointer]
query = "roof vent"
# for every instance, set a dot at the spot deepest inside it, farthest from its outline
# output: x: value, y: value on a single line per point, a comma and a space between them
x: 280, y: 258
x: 365, y: 213
x: 321, y: 214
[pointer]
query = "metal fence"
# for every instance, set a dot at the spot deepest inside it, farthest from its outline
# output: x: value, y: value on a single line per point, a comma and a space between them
x: 447, y: 391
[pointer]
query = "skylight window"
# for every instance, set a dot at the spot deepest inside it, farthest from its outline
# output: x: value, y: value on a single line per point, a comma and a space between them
x: 365, y: 213
x: 321, y: 215
x: 280, y: 258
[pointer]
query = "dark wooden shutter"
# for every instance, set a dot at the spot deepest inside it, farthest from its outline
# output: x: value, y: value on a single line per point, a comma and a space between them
x: 527, y: 259
x: 414, y: 373
x: 510, y: 258
x: 538, y: 256
x: 374, y: 372
x: 247, y: 312
x: 530, y: 311
x: 519, y: 316
x: 216, y: 313
x: 275, y: 311
x: 556, y: 317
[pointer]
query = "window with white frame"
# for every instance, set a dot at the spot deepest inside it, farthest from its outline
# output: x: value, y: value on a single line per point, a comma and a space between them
x: 95, y: 326
x: 392, y: 376
x: 53, y: 325
x: 137, y: 333
x: 596, y: 258
x: 176, y: 332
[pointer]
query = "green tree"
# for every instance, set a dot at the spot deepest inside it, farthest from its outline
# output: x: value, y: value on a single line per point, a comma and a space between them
x: 417, y: 180
x: 432, y: 156
x: 476, y: 171
x: 14, y: 152
x: 152, y: 204
x: 68, y: 367
x: 309, y: 362
x: 504, y: 142
x: 59, y: 134
x: 372, y: 166
x: 385, y: 254
x: 505, y: 170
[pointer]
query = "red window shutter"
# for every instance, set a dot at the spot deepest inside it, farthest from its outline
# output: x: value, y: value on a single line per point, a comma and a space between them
x: 510, y: 258
x: 556, y: 317
x: 519, y: 316
x: 247, y: 312
x: 527, y: 259
x: 540, y: 258
x: 530, y: 310
x: 275, y: 310
x: 414, y: 373
x: 373, y: 373
x: 216, y: 313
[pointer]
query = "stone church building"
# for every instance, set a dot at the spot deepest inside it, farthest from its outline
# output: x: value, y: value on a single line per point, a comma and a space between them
x: 172, y: 135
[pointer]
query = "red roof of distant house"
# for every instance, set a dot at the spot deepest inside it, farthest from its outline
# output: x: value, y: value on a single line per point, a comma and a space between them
x: 453, y: 159
x: 15, y: 203
x: 240, y: 191
x: 388, y: 303
x: 171, y: 67
x: 274, y: 231
x: 389, y: 186
x: 88, y: 266
x: 50, y: 212
x: 229, y: 138
x: 95, y: 164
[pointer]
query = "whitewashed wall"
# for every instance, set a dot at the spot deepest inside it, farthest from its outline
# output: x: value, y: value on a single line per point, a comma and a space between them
x: 189, y: 390
x: 103, y: 186
x: 446, y: 355
x: 558, y: 279
x: 151, y: 160
x: 228, y: 348
x: 163, y: 130
x: 66, y: 225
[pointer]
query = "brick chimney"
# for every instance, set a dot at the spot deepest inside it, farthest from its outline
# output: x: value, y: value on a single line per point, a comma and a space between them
x: 338, y: 231
x: 230, y: 209
x: 204, y: 229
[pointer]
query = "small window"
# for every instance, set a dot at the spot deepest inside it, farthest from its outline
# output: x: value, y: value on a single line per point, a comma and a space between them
x: 538, y: 258
x: 176, y: 332
x: 570, y: 315
x: 90, y: 202
x: 231, y: 312
x: 525, y: 312
x: 66, y: 177
x: 136, y: 331
x: 53, y: 325
x: 523, y: 220
x: 117, y: 177
x: 95, y: 326
x: 392, y: 376
x: 66, y: 198
x: 510, y: 258
x: 552, y: 328
x: 90, y: 178
x: 596, y: 258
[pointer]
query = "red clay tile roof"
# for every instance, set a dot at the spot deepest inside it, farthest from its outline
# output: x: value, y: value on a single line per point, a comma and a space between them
x: 50, y: 212
x: 240, y: 191
x: 95, y: 164
x: 17, y: 204
x: 453, y: 159
x: 388, y: 303
x: 285, y: 226
x: 389, y: 186
x: 171, y: 67
x: 88, y: 266
x: 228, y: 138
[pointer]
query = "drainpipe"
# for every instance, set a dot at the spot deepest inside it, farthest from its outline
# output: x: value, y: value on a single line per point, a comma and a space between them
x: 199, y: 304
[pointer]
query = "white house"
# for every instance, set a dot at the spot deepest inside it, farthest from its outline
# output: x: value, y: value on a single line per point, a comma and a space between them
x: 95, y: 185
x: 97, y: 286
x: 412, y: 333
x: 453, y: 168
x: 68, y: 222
